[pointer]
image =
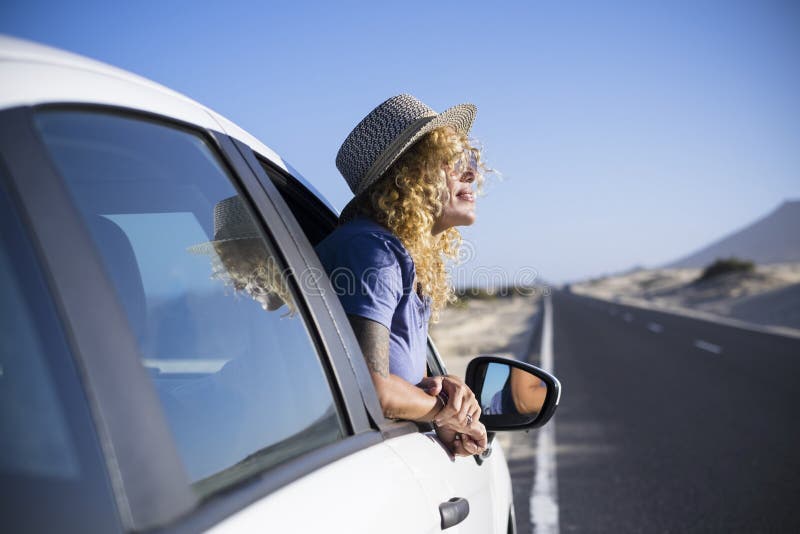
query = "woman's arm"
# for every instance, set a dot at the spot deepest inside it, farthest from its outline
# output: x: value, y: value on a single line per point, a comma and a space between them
x: 399, y: 399
x: 528, y: 392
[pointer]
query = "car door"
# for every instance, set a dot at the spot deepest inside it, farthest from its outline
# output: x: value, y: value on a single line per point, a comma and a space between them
x: 442, y: 476
x: 445, y: 477
x: 481, y: 481
x: 213, y: 408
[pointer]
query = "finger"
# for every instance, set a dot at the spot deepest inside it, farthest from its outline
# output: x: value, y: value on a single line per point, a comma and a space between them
x: 456, y: 400
x: 432, y: 389
x: 454, y: 379
x: 460, y: 451
x: 461, y: 403
x: 449, y: 386
x: 471, y: 420
x: 459, y: 448
x: 471, y: 446
x: 456, y: 390
x: 478, y: 434
x: 468, y: 405
x: 457, y: 420
x: 432, y: 385
x: 474, y: 415
x: 446, y: 417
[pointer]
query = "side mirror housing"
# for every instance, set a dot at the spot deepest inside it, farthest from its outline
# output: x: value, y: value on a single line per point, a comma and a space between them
x: 513, y: 395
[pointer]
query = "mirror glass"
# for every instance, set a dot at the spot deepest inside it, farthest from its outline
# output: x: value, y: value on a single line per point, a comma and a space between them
x: 510, y: 396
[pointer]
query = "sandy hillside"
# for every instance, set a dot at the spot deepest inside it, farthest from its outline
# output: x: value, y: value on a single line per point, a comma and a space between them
x: 769, y: 296
x: 494, y: 326
x: 769, y: 240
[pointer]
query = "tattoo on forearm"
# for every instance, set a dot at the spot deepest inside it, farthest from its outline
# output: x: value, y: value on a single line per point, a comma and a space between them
x: 373, y: 338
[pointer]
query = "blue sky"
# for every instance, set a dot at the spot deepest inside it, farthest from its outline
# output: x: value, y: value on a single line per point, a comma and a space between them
x: 627, y: 133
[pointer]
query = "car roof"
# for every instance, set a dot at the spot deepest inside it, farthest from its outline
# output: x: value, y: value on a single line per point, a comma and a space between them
x: 35, y: 74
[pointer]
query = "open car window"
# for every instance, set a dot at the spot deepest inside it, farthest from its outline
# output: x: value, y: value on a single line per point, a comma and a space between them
x: 314, y: 217
x: 317, y: 221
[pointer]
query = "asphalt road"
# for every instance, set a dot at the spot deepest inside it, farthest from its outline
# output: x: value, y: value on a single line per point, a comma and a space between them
x: 671, y: 424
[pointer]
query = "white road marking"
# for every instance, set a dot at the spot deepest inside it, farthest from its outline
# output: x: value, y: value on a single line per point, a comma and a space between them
x: 628, y: 317
x: 655, y: 327
x: 705, y: 345
x: 544, y: 499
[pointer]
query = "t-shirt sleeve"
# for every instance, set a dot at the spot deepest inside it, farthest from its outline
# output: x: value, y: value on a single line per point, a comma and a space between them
x: 366, y: 275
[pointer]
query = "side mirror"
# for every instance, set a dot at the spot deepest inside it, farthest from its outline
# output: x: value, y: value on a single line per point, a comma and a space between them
x: 513, y: 395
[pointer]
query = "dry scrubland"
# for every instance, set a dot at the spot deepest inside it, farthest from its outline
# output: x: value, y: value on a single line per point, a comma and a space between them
x: 769, y: 295
x: 484, y: 326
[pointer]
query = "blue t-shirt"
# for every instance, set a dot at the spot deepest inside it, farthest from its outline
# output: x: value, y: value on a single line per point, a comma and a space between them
x: 373, y: 274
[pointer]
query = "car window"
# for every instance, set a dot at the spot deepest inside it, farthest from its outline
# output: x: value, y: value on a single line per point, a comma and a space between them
x: 49, y: 456
x: 314, y: 217
x: 219, y: 329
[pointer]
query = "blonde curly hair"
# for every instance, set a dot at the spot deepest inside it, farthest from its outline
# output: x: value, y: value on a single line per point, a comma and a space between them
x: 247, y: 267
x: 409, y: 198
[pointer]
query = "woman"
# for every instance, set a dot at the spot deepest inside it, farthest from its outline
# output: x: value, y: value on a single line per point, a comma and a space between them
x: 240, y: 260
x: 413, y: 174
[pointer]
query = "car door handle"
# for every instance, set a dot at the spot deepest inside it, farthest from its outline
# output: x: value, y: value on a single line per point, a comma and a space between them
x: 453, y: 511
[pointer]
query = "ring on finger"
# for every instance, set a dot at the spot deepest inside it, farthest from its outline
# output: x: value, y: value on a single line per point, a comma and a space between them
x: 469, y: 419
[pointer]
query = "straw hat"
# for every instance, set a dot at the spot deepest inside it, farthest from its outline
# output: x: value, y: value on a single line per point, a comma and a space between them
x: 388, y: 131
x: 231, y: 222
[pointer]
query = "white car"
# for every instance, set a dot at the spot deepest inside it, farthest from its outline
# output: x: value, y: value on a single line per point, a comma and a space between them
x: 140, y: 391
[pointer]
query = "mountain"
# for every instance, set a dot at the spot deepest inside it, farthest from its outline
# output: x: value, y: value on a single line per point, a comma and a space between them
x: 772, y: 239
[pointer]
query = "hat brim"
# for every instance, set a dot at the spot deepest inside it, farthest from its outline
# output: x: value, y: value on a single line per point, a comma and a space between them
x: 207, y: 248
x: 459, y: 117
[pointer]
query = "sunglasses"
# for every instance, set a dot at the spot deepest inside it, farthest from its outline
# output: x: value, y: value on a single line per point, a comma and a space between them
x: 468, y: 162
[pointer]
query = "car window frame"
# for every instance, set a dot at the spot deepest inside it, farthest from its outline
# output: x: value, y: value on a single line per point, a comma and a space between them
x: 59, y: 375
x: 272, y: 218
x: 158, y: 494
x: 337, y: 323
x: 127, y: 427
x: 436, y: 366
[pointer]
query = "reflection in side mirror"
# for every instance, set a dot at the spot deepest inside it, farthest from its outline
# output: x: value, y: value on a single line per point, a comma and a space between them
x: 513, y: 395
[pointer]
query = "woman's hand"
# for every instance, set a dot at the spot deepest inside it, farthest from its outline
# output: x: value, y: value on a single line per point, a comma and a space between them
x: 460, y: 444
x: 432, y: 385
x: 462, y: 407
x: 460, y: 414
